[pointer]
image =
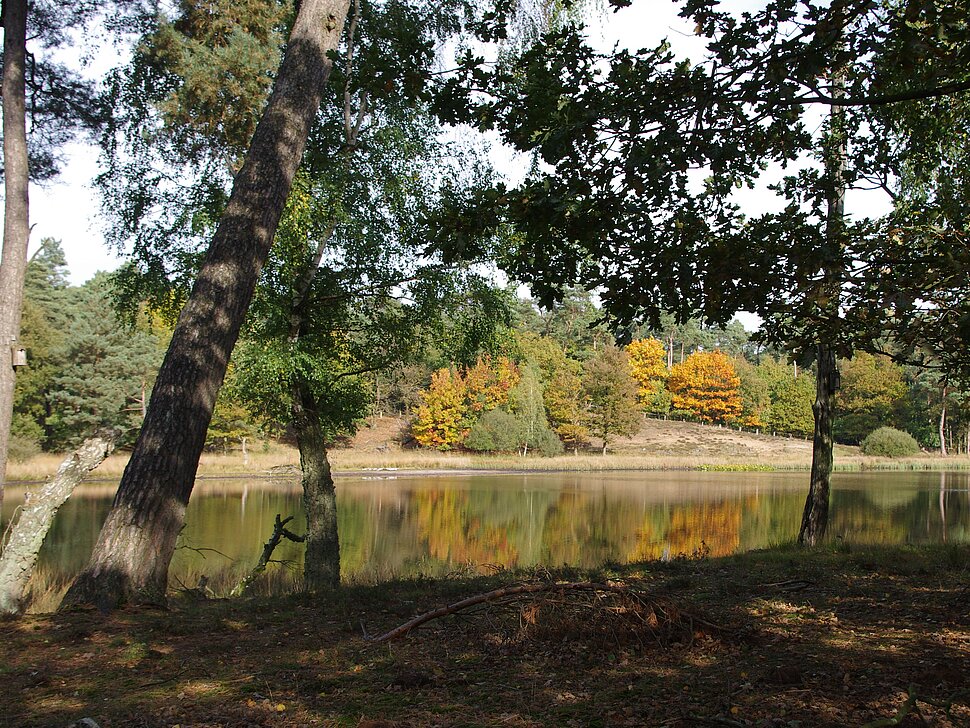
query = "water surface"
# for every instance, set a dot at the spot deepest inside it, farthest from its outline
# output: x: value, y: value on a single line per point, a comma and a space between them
x: 405, y: 525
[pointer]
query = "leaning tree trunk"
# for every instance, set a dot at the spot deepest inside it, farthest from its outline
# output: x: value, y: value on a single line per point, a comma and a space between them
x: 816, y: 514
x: 20, y: 553
x: 15, y: 213
x: 131, y: 558
x: 321, y: 565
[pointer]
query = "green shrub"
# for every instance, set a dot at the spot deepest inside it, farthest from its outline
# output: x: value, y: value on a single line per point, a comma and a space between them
x: 499, y: 431
x: 22, y: 448
x: 548, y: 443
x: 889, y: 442
x: 495, y: 431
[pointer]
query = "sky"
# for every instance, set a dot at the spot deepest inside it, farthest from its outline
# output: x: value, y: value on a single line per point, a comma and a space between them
x: 69, y: 208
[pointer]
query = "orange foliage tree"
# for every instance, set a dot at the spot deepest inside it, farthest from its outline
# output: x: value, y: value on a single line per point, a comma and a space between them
x: 648, y: 366
x: 490, y: 383
x: 707, y: 387
x: 456, y: 399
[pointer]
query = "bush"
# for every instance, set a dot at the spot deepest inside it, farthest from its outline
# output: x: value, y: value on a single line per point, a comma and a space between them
x: 22, y: 448
x: 889, y: 442
x: 495, y: 431
x: 548, y: 443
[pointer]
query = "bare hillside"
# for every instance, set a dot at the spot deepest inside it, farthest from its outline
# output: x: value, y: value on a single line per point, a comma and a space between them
x: 665, y: 438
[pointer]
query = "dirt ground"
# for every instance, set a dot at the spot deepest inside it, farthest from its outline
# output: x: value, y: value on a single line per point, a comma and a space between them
x: 776, y: 639
x: 656, y: 437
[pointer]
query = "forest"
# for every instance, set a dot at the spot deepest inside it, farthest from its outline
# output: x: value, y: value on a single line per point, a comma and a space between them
x: 548, y: 380
x: 476, y: 215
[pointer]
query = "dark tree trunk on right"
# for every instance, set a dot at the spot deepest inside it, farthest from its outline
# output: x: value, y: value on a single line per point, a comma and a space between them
x: 321, y: 564
x: 816, y: 514
x: 942, y: 423
x: 136, y: 543
x: 815, y: 517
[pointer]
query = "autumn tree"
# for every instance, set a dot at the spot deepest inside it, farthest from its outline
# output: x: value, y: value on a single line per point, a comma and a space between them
x: 706, y: 387
x: 648, y: 365
x: 442, y: 417
x: 457, y: 398
x: 489, y: 382
x: 612, y: 394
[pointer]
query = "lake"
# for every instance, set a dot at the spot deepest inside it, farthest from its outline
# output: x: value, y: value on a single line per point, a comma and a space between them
x: 402, y: 525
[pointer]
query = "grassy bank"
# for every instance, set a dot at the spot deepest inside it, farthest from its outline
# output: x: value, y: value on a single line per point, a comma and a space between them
x: 783, y: 637
x: 282, y: 460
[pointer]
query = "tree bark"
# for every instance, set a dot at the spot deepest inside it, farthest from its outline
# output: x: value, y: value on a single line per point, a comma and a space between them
x: 20, y: 553
x: 16, y: 229
x: 816, y: 514
x: 943, y: 394
x: 131, y: 558
x: 321, y: 562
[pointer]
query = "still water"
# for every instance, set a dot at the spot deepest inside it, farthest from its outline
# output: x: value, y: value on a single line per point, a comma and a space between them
x: 405, y: 525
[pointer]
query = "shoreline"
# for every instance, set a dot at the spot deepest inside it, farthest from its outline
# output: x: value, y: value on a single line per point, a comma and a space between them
x: 501, y: 466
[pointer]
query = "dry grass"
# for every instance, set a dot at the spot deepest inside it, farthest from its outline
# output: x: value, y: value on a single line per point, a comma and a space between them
x: 41, y: 466
x: 660, y: 445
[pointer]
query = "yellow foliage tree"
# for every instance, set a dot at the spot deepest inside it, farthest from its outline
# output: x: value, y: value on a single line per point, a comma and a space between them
x: 707, y: 387
x: 440, y: 421
x: 455, y: 399
x: 648, y: 366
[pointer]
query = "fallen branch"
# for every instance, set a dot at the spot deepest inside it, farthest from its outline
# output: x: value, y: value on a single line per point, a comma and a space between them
x: 911, y: 705
x: 279, y: 533
x: 790, y: 585
x: 505, y: 594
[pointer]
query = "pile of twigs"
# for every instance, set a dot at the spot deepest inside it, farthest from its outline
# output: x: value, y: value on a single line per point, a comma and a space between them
x: 594, y: 612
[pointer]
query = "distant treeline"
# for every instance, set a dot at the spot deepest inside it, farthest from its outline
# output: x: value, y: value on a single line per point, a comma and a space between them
x: 555, y: 378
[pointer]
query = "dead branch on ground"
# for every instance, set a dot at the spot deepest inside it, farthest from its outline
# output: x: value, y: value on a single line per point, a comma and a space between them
x: 641, y: 610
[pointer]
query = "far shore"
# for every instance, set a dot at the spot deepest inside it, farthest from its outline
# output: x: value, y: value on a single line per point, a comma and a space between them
x: 282, y: 462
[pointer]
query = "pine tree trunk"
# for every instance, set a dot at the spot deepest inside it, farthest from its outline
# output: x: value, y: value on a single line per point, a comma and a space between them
x: 20, y: 554
x: 133, y: 551
x: 16, y: 230
x: 816, y: 514
x: 321, y: 565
